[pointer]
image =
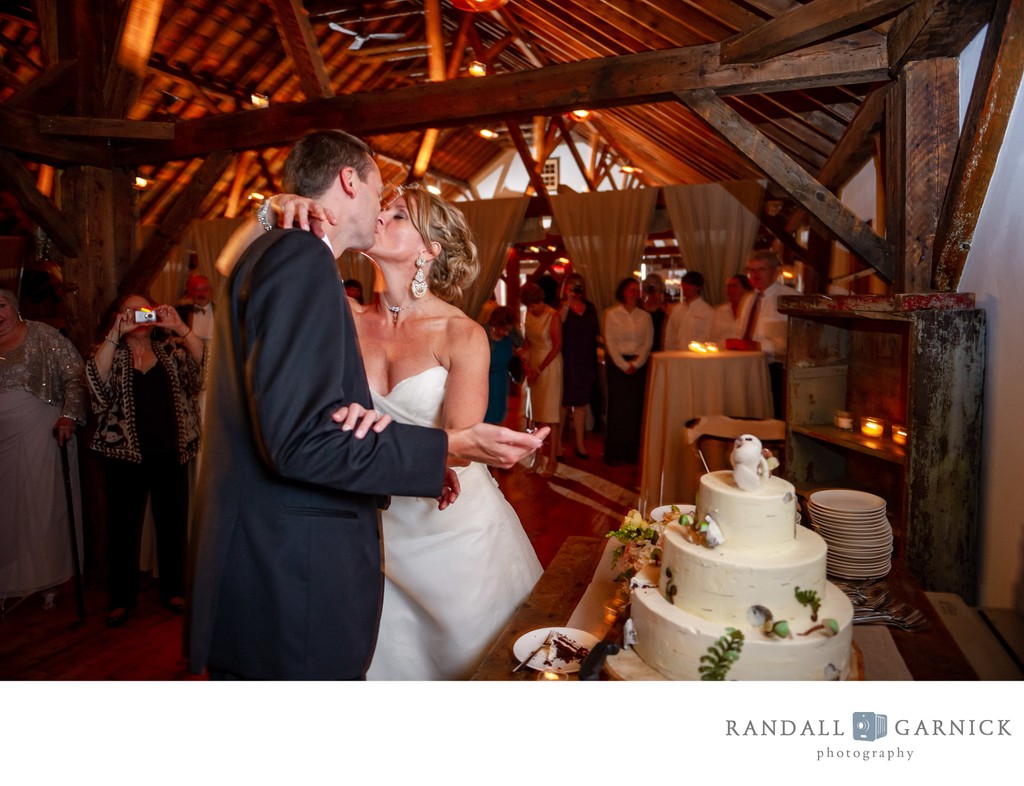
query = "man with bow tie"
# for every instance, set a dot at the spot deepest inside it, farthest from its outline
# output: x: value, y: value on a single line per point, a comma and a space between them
x: 197, y: 311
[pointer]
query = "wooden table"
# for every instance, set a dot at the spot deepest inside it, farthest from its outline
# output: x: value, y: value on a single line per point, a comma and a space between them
x: 929, y: 654
x: 686, y: 385
x: 550, y: 605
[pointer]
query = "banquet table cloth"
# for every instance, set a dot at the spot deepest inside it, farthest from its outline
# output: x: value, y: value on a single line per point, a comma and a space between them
x: 683, y: 385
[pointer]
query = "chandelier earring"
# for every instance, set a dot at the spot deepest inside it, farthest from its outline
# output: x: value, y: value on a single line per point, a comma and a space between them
x: 419, y: 281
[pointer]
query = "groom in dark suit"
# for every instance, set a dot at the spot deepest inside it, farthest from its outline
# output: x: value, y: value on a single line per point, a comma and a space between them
x: 286, y: 574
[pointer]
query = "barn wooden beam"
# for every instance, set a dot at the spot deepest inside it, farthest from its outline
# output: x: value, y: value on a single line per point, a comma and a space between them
x: 136, y: 44
x: 22, y: 184
x: 50, y: 92
x: 153, y: 256
x: 438, y: 73
x: 936, y: 28
x: 574, y: 151
x: 604, y: 82
x: 804, y: 25
x: 857, y: 145
x: 532, y: 168
x: 107, y: 128
x: 301, y: 47
x: 988, y: 113
x: 816, y: 199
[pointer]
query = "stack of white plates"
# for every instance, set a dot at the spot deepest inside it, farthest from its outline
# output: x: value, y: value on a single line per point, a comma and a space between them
x: 855, y: 527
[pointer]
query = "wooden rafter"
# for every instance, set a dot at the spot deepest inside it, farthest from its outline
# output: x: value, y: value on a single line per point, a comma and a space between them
x: 532, y: 168
x: 301, y: 46
x: 20, y: 182
x: 936, y: 28
x: 988, y: 113
x: 629, y: 79
x: 804, y: 25
x: 816, y: 199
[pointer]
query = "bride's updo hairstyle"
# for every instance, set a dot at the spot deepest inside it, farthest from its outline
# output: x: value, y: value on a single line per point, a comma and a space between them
x: 456, y: 265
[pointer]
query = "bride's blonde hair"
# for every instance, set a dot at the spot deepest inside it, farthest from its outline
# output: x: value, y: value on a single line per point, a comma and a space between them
x: 456, y: 265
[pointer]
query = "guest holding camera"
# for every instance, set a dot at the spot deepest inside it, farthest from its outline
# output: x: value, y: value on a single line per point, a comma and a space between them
x: 144, y: 379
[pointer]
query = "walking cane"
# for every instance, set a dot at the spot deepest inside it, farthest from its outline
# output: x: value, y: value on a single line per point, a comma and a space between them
x: 79, y: 591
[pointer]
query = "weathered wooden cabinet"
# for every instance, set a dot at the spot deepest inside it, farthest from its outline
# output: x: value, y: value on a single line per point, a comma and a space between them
x: 916, y: 360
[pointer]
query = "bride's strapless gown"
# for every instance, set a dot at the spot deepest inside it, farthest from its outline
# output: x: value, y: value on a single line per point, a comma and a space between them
x: 452, y: 578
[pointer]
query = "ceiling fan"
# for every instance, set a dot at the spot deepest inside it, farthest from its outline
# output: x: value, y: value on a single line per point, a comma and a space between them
x: 361, y: 38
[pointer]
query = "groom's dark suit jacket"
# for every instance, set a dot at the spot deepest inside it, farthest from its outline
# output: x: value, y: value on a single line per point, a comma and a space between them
x: 286, y: 573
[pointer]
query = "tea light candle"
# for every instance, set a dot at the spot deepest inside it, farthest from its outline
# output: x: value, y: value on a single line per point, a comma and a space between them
x: 697, y: 346
x: 552, y: 676
x: 710, y: 346
x: 872, y: 427
x: 899, y: 435
x: 843, y: 420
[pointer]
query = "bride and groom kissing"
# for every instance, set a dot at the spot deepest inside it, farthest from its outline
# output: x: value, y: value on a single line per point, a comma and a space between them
x: 286, y: 578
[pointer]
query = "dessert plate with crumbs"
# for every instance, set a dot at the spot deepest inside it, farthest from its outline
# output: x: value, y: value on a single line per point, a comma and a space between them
x: 554, y: 649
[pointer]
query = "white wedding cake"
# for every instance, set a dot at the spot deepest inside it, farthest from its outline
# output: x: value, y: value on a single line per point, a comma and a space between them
x: 742, y: 593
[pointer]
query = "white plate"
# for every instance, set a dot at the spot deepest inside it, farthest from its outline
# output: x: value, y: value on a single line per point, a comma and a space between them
x: 847, y: 501
x: 528, y: 642
x: 658, y: 513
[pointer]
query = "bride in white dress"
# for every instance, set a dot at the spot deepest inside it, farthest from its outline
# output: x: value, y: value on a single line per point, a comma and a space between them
x: 453, y: 577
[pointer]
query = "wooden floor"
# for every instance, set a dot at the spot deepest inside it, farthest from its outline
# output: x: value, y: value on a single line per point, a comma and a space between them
x: 586, y: 497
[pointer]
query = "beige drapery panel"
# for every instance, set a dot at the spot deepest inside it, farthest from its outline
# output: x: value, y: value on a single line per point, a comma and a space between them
x: 206, y: 238
x: 605, y: 233
x: 715, y: 225
x: 495, y: 224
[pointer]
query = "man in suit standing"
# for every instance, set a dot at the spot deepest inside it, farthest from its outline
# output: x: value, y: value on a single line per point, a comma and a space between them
x: 286, y: 579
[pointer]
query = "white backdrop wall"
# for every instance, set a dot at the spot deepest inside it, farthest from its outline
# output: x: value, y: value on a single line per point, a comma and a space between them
x: 995, y: 273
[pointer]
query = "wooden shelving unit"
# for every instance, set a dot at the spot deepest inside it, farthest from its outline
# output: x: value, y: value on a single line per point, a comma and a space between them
x: 915, y: 360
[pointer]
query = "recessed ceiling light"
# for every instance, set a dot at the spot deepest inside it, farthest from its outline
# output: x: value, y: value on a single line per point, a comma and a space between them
x: 580, y: 114
x: 487, y: 133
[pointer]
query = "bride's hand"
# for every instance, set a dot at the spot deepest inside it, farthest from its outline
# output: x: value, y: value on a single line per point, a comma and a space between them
x: 303, y: 212
x: 451, y: 489
x: 359, y: 418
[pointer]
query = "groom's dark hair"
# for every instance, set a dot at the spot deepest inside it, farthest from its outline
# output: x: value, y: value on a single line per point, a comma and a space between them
x: 317, y: 158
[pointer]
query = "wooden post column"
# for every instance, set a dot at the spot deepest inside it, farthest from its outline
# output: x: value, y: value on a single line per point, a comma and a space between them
x: 922, y: 127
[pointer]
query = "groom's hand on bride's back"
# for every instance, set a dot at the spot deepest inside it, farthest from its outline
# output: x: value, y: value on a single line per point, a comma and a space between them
x: 494, y: 445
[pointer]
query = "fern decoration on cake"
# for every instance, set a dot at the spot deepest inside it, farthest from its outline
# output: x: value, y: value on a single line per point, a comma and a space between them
x: 721, y: 655
x: 809, y: 598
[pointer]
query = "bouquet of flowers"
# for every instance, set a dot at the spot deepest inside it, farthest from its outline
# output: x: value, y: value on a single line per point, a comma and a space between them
x: 640, y: 541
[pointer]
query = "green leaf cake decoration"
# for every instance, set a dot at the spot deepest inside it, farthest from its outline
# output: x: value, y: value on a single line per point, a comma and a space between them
x: 721, y: 655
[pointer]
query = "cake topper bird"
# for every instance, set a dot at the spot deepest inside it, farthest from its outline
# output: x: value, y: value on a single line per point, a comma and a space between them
x: 750, y: 468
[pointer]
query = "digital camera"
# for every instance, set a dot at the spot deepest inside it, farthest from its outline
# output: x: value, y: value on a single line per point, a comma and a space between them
x: 144, y: 315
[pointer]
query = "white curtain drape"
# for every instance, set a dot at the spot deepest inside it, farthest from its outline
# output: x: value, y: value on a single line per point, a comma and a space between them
x: 715, y: 225
x: 495, y: 224
x: 206, y: 238
x: 605, y: 233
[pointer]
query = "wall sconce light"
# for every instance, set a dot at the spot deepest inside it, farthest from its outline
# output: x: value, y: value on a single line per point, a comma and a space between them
x: 259, y: 100
x: 141, y: 183
x: 476, y: 68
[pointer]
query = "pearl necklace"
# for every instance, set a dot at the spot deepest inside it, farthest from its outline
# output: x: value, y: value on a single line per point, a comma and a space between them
x: 396, y: 310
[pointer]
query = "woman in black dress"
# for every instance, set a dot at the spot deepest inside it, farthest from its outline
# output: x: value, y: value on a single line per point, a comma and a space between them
x: 580, y: 331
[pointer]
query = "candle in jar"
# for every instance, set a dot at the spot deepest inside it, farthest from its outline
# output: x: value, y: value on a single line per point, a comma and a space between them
x: 899, y: 435
x: 552, y: 676
x: 872, y: 427
x: 697, y: 346
x: 843, y: 420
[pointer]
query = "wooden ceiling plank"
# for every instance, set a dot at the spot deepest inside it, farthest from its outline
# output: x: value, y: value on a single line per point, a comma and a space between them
x: 154, y: 255
x: 136, y: 41
x: 629, y: 79
x: 22, y: 184
x: 19, y: 133
x: 301, y: 46
x: 988, y: 114
x: 47, y: 93
x: 816, y: 21
x: 819, y: 201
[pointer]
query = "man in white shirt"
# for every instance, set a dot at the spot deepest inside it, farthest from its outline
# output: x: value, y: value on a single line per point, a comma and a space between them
x: 765, y: 328
x: 197, y: 312
x: 691, y: 319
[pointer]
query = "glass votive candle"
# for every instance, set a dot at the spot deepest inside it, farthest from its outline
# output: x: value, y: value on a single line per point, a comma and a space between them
x: 552, y: 676
x: 697, y: 346
x: 710, y: 346
x: 899, y: 434
x: 843, y: 420
x: 872, y: 427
